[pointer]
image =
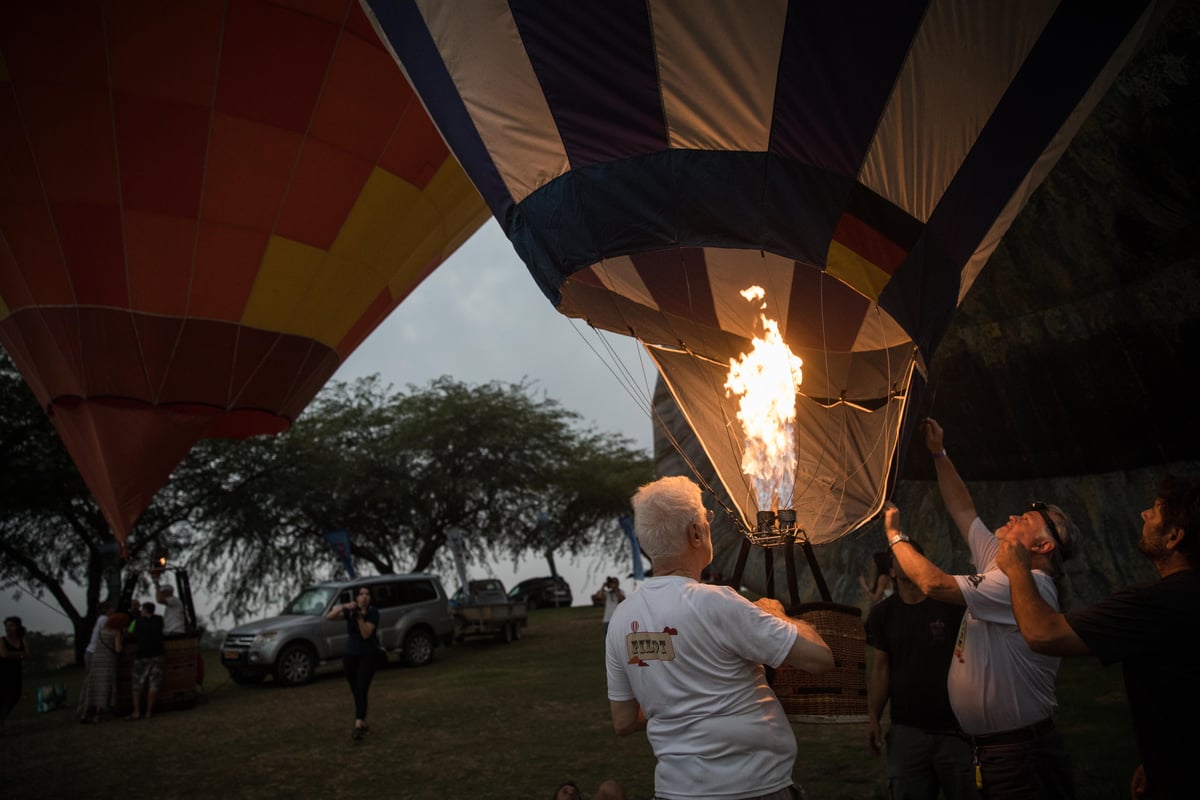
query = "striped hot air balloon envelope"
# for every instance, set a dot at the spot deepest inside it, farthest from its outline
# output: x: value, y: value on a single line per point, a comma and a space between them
x: 858, y: 161
x: 205, y: 207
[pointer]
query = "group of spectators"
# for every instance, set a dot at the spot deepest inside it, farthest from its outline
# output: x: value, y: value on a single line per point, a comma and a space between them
x: 967, y: 662
x: 114, y: 631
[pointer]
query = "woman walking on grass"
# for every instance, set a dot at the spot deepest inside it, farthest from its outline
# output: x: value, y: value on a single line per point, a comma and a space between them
x: 362, y: 652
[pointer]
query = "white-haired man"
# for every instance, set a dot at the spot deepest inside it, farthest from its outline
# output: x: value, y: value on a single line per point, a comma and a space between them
x: 173, y: 618
x: 685, y: 662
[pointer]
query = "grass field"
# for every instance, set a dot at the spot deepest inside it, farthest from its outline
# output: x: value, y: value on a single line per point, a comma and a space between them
x: 485, y: 720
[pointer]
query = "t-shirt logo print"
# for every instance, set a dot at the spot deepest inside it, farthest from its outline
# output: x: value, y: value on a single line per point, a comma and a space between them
x: 643, y: 647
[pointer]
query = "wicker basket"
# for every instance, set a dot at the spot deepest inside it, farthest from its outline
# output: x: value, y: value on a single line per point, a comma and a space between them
x: 839, y: 695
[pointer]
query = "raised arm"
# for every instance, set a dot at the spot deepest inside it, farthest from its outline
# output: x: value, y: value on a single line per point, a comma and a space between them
x: 954, y: 491
x: 1044, y: 629
x: 924, y: 573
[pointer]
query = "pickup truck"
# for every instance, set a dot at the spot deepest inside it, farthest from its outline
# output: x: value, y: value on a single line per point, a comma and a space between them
x: 483, y: 608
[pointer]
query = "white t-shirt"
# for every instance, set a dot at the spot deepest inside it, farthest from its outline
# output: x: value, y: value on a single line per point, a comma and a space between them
x: 692, y: 655
x: 173, y: 621
x: 996, y: 683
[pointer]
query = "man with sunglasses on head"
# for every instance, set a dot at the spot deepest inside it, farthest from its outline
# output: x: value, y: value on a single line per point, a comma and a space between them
x: 1152, y: 629
x: 1002, y: 692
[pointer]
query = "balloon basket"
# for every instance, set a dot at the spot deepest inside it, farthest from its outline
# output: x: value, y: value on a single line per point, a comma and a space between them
x: 836, y: 696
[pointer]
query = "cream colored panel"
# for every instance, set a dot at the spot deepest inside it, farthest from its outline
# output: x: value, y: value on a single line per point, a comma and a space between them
x: 483, y: 52
x: 731, y: 271
x: 961, y: 63
x: 718, y: 63
x: 878, y: 332
x: 621, y: 277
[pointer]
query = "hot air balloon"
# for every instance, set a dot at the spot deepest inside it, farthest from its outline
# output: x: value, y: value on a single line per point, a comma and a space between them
x: 204, y: 208
x: 856, y: 162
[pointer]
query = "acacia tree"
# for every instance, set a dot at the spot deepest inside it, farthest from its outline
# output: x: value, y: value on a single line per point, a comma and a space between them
x: 52, y: 533
x: 397, y: 470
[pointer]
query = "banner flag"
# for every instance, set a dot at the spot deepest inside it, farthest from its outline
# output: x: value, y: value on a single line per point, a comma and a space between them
x: 627, y: 525
x: 340, y: 542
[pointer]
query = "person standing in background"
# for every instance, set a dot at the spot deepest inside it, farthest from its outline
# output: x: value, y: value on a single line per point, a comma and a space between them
x: 99, y: 691
x: 14, y: 649
x: 149, y: 662
x: 611, y: 595
x: 881, y: 585
x: 173, y: 619
x: 913, y: 640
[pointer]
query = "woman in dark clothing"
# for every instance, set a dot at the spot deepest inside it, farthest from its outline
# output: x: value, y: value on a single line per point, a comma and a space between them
x: 13, y: 650
x: 362, y: 651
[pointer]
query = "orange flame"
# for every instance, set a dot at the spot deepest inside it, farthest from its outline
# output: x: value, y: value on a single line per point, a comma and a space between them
x: 766, y: 381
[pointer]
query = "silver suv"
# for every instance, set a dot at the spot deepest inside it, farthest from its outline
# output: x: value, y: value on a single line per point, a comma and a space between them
x: 414, y: 617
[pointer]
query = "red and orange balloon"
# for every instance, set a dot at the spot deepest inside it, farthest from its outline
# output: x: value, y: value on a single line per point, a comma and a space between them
x: 204, y: 208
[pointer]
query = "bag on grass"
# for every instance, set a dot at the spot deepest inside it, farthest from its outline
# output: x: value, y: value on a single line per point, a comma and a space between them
x: 51, y: 697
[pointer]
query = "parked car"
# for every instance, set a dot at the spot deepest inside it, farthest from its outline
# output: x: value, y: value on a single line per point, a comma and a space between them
x: 550, y: 591
x: 483, y: 608
x: 414, y: 617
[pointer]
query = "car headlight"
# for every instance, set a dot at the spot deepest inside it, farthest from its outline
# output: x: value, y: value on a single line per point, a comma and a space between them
x: 264, y: 638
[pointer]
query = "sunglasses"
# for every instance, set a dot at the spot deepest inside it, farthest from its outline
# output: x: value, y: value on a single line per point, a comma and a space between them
x: 1051, y: 525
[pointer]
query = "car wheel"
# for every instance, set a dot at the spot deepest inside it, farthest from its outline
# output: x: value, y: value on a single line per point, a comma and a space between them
x: 296, y: 665
x: 506, y: 632
x: 418, y: 648
x: 245, y: 678
x: 516, y: 626
x: 531, y: 603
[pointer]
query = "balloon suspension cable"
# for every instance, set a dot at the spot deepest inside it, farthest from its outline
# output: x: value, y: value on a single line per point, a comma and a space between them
x: 640, y: 395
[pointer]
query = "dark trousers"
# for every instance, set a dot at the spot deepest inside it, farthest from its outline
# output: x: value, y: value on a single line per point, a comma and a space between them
x: 1038, y: 769
x: 360, y: 669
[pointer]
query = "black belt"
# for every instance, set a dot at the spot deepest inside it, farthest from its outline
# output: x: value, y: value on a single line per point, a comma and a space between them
x: 1016, y: 735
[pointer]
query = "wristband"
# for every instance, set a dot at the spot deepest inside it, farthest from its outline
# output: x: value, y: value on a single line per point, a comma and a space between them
x: 940, y: 453
x: 894, y: 540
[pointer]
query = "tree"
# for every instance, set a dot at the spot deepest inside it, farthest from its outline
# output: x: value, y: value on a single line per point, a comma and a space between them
x: 397, y: 470
x: 52, y: 533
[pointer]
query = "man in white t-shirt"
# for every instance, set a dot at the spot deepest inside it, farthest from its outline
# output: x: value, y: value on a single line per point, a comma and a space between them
x: 173, y: 618
x: 1002, y: 692
x: 685, y: 663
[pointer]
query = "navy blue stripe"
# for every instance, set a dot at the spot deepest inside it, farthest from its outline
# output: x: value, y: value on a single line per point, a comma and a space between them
x: 596, y: 67
x: 405, y: 30
x: 1075, y: 46
x: 680, y: 197
x: 836, y: 72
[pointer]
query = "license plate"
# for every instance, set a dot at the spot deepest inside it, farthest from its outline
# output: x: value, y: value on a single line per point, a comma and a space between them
x: 232, y: 655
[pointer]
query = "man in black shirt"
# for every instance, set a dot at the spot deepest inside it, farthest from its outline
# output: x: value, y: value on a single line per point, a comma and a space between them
x: 1152, y: 629
x: 148, y: 665
x: 913, y: 637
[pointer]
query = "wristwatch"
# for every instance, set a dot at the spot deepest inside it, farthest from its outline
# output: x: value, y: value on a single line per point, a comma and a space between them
x: 899, y: 537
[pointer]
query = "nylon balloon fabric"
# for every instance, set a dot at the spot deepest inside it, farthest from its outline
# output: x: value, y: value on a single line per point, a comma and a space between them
x: 205, y: 208
x: 858, y: 161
